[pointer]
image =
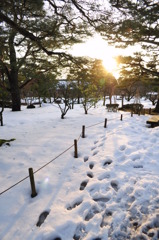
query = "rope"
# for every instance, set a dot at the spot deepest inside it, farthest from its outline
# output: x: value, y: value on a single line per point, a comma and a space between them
x: 37, y: 170
x: 52, y: 159
x: 40, y: 167
x: 14, y: 185
x: 94, y: 124
x: 79, y: 137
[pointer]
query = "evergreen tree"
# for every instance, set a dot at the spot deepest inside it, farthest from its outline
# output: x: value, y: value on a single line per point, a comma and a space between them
x: 32, y: 28
x: 135, y: 23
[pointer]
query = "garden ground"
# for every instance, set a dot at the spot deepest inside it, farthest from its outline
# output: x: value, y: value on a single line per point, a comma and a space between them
x: 111, y: 191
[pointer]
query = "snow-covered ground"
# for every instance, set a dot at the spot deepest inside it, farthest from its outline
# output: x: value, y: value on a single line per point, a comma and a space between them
x: 111, y: 191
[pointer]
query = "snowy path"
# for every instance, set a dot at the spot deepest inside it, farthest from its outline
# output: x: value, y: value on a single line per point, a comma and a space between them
x: 110, y: 203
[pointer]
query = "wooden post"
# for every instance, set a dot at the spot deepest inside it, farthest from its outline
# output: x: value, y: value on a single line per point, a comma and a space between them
x: 33, y: 189
x: 83, y: 131
x: 1, y: 119
x: 105, y: 123
x: 121, y: 117
x: 75, y: 149
x: 131, y: 113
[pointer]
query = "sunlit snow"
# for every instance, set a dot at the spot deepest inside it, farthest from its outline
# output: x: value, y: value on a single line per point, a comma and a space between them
x: 111, y: 191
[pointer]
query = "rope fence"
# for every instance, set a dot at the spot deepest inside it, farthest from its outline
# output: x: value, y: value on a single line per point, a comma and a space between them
x: 31, y: 172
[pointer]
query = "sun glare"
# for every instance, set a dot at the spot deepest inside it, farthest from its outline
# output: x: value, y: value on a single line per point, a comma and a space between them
x: 110, y: 64
x: 98, y: 48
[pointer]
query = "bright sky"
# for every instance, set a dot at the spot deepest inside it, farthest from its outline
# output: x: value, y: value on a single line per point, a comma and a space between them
x: 96, y: 47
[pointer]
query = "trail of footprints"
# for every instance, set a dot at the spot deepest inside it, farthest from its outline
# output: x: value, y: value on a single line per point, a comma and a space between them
x: 101, y: 204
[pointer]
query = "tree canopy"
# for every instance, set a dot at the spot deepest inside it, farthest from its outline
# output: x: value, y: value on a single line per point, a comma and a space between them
x: 135, y: 23
x: 37, y: 34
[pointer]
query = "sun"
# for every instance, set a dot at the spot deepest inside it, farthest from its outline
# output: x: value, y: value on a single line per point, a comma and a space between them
x: 110, y: 64
x: 97, y: 48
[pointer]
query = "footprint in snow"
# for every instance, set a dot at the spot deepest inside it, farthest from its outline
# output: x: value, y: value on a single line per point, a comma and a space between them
x: 91, y: 165
x: 104, y: 138
x: 90, y: 174
x: 93, y: 148
x: 86, y: 158
x: 107, y: 162
x: 138, y: 166
x: 122, y: 147
x: 131, y: 199
x: 151, y: 229
x: 95, y: 152
x: 100, y: 145
x: 93, y: 211
x: 42, y: 218
x: 135, y: 216
x: 114, y: 185
x: 83, y: 185
x: 101, y: 199
x: 80, y: 232
x: 95, y: 142
x: 106, y: 218
x: 76, y: 203
x: 135, y: 225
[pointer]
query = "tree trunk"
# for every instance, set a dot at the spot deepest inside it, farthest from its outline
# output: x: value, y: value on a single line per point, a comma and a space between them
x: 15, y: 91
x: 16, y: 103
x: 72, y: 104
x: 104, y: 100
x: 13, y: 75
x: 62, y: 116
x: 153, y: 102
x: 85, y: 110
x: 157, y: 107
x: 78, y: 93
x: 39, y: 102
x: 122, y: 101
x: 110, y: 99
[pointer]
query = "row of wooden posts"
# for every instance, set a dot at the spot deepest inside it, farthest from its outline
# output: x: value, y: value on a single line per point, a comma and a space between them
x: 83, y: 136
x: 31, y: 173
x: 142, y: 111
